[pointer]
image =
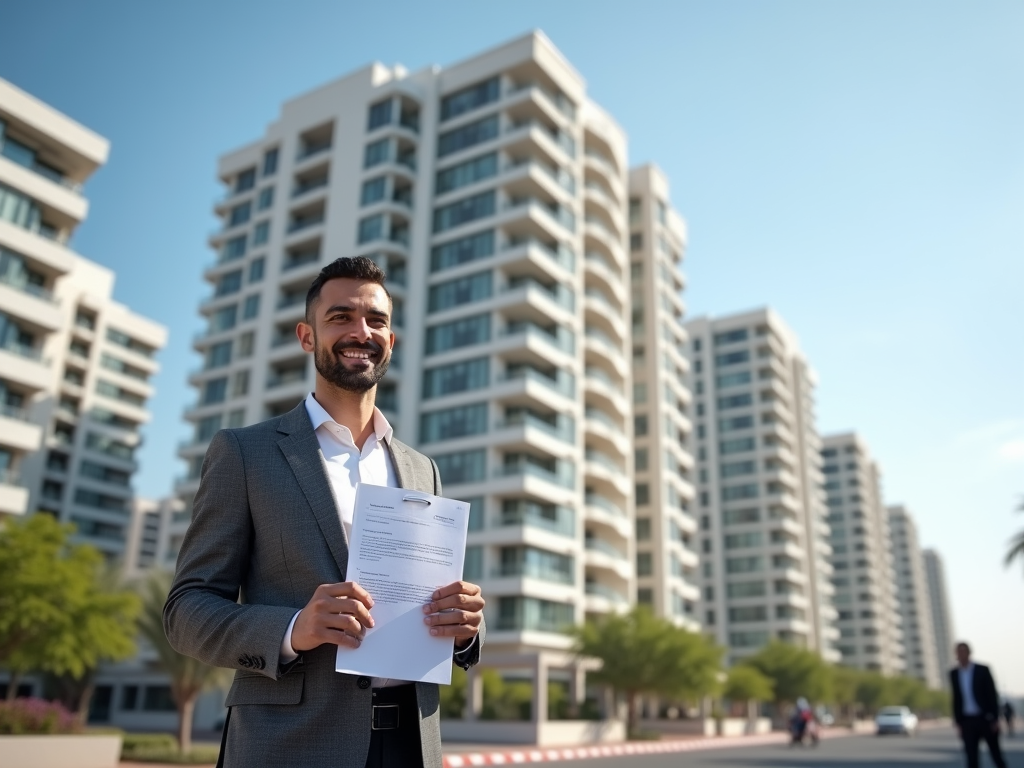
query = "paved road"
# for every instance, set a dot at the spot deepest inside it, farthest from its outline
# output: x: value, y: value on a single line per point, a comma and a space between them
x: 937, y: 749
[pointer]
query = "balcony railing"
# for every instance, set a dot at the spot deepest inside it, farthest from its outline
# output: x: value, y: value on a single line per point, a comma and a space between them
x: 564, y: 384
x: 559, y: 520
x: 563, y: 476
x: 534, y: 571
x: 558, y: 293
x: 32, y: 290
x: 602, y: 590
x: 9, y: 476
x: 14, y: 412
x: 562, y: 339
x: 304, y: 222
x: 564, y: 429
x: 23, y: 350
x: 26, y: 157
x: 595, y: 544
x: 312, y: 149
x: 596, y: 414
x: 561, y: 255
x: 599, y: 501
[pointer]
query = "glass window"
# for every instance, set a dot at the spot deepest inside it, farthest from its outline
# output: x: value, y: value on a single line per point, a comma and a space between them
x: 240, y: 214
x: 467, y: 136
x: 380, y: 114
x: 218, y: 355
x: 743, y: 540
x: 266, y: 199
x: 229, y: 283
x: 224, y: 319
x: 376, y: 153
x: 261, y: 233
x: 469, y: 172
x: 464, y: 332
x: 643, y: 494
x: 233, y: 248
x: 270, y: 161
x: 470, y: 98
x: 245, y: 180
x: 251, y: 307
x: 473, y: 567
x: 450, y: 423
x: 738, y: 445
x: 531, y: 613
x: 462, y: 376
x: 745, y: 491
x: 640, y: 459
x: 732, y: 379
x: 636, y: 241
x: 465, y: 210
x: 728, y: 337
x: 371, y: 228
x: 462, y: 466
x: 469, y: 248
x: 464, y: 290
x: 640, y: 425
x: 744, y: 564
x: 246, y: 342
x: 736, y: 422
x: 735, y: 401
x: 732, y: 358
x: 256, y: 269
x: 373, y: 190
x: 643, y: 529
x: 214, y: 391
x: 738, y: 468
x: 644, y: 564
x: 748, y: 613
x: 636, y: 209
x: 207, y: 427
x: 746, y: 589
x: 640, y: 393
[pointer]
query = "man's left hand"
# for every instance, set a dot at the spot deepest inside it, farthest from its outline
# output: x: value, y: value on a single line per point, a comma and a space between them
x: 455, y: 611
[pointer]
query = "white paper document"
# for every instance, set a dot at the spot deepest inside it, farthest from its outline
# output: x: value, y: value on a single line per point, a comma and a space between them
x: 404, y: 545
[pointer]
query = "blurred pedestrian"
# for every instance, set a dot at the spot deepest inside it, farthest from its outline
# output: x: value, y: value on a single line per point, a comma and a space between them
x: 975, y: 707
x: 1009, y: 713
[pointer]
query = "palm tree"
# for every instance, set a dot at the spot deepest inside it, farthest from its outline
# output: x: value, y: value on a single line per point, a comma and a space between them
x: 1017, y: 542
x: 189, y: 677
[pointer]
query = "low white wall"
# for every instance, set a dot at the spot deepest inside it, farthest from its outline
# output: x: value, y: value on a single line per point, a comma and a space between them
x: 549, y: 733
x: 680, y: 727
x: 69, y: 751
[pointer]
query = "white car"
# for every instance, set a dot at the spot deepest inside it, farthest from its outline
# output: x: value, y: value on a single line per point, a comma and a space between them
x: 896, y: 720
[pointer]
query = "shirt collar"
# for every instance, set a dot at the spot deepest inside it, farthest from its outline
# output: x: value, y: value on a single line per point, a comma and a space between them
x: 318, y: 417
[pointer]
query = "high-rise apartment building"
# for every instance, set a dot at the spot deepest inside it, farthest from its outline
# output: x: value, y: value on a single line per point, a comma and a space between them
x: 862, y: 559
x: 915, y: 603
x: 942, y: 615
x: 496, y: 196
x: 75, y: 366
x: 666, y: 554
x: 764, y: 534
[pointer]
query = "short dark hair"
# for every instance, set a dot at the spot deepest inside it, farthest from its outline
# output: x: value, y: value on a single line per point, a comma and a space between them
x: 358, y: 268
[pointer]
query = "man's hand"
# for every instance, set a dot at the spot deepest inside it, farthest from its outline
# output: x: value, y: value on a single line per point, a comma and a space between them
x: 455, y: 611
x: 337, y: 613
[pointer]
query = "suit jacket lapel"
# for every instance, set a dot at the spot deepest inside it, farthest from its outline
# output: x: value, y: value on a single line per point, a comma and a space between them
x: 302, y: 451
x: 400, y: 460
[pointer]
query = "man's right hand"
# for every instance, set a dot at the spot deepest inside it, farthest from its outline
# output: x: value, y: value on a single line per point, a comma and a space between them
x: 337, y: 614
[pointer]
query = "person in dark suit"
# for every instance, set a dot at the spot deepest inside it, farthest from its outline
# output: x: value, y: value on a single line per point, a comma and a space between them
x: 258, y: 586
x: 975, y: 707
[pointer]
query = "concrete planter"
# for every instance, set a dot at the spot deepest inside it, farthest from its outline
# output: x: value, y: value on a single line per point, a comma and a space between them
x: 64, y: 751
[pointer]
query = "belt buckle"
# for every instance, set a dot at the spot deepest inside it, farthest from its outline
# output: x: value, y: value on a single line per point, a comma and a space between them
x: 384, y: 718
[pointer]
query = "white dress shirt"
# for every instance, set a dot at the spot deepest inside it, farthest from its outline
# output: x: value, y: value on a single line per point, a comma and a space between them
x: 967, y: 690
x: 346, y: 467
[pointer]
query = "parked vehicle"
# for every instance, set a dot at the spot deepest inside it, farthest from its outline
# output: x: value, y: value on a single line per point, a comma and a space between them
x: 895, y: 720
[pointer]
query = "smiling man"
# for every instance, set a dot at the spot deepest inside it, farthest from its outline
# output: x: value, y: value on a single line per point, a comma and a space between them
x: 259, y: 581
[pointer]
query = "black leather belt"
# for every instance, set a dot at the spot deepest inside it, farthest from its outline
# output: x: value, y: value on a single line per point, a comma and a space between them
x: 388, y: 702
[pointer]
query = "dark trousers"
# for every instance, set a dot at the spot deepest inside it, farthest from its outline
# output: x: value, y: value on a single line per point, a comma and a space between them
x: 395, y: 747
x: 973, y: 730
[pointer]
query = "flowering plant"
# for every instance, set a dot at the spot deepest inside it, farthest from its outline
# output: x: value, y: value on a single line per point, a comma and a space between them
x: 32, y: 716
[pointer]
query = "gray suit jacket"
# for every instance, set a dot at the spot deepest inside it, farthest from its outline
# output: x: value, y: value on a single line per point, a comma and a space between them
x: 265, y: 534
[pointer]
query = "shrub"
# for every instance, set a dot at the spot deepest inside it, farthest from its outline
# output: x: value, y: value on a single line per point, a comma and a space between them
x: 33, y: 716
x: 135, y: 744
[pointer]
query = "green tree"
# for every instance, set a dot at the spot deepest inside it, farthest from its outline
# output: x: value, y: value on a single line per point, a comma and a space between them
x: 794, y: 672
x: 60, y: 611
x: 641, y: 653
x: 844, y: 690
x: 189, y: 677
x: 745, y: 683
x: 872, y: 691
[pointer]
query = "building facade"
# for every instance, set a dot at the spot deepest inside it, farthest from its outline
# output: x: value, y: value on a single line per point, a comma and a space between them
x: 764, y: 535
x: 75, y: 366
x: 915, y: 602
x: 862, y: 558
x: 496, y: 196
x: 942, y: 614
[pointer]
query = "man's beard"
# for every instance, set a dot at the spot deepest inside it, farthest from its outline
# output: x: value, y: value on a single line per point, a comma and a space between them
x: 329, y: 365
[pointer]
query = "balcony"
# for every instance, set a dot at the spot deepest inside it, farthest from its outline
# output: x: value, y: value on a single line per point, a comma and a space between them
x: 552, y: 518
x: 24, y: 365
x: 563, y: 428
x: 594, y: 544
x: 560, y: 473
x: 563, y: 383
x: 564, y: 217
x: 559, y: 254
x: 562, y: 339
x: 558, y: 293
x: 533, y: 570
x: 593, y: 589
x: 13, y: 498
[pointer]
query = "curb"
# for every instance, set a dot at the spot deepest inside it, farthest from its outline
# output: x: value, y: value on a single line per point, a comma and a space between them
x: 535, y: 755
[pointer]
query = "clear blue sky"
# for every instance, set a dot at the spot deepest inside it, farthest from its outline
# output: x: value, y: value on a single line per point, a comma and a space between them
x: 859, y: 166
